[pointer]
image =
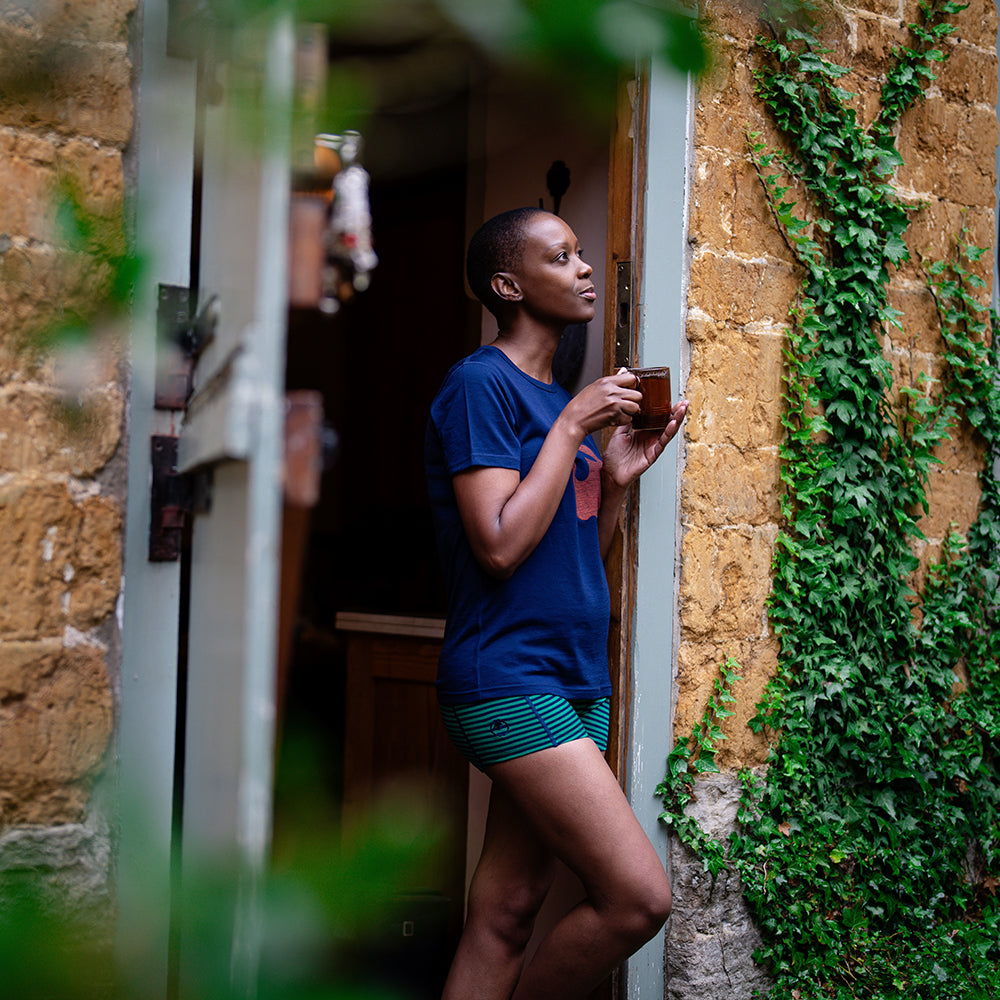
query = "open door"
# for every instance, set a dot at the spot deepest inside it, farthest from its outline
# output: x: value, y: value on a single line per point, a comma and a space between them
x: 198, y: 679
x: 231, y: 444
x: 626, y: 188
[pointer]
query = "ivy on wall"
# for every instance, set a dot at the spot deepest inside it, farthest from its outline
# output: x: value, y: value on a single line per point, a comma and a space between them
x: 870, y: 849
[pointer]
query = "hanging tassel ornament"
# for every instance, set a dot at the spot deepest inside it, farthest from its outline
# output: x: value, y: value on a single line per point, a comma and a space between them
x: 350, y: 258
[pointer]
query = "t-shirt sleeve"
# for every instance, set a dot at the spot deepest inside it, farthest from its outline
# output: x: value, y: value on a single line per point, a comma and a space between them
x: 476, y: 420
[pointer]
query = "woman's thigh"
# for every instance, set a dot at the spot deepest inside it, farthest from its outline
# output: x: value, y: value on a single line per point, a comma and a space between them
x: 576, y: 807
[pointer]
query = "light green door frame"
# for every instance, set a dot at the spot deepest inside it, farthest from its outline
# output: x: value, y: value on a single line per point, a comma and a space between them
x: 661, y: 341
x: 164, y: 163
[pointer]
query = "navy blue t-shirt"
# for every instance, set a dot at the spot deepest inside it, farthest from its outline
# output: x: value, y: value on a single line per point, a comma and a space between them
x: 545, y: 629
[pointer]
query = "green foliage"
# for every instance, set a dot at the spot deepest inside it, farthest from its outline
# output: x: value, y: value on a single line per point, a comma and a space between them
x: 330, y: 916
x: 693, y: 757
x: 575, y: 50
x: 101, y: 292
x: 41, y: 954
x: 870, y: 852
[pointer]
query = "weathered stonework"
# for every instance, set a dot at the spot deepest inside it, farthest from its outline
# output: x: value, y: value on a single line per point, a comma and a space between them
x: 60, y: 560
x: 72, y: 860
x: 78, y: 89
x: 712, y: 935
x: 31, y: 169
x: 743, y: 279
x: 697, y: 667
x: 39, y: 285
x: 55, y: 722
x: 40, y: 433
x: 65, y: 119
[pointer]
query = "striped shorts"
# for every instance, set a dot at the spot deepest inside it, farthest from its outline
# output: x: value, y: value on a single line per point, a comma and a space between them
x: 500, y: 729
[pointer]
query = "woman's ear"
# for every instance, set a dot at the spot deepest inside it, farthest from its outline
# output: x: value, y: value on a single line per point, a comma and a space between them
x: 505, y: 287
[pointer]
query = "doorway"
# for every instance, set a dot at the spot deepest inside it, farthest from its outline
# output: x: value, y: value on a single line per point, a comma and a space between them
x: 449, y: 142
x: 367, y: 601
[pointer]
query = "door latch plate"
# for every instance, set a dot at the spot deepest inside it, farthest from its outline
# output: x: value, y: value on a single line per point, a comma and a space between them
x: 623, y: 315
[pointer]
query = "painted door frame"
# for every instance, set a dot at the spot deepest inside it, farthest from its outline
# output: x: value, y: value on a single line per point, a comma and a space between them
x: 646, y: 323
x: 147, y: 725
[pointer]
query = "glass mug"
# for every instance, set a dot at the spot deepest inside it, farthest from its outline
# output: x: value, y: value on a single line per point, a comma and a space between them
x: 655, y: 408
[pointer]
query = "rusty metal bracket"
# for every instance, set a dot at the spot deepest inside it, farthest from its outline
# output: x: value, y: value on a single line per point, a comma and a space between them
x: 173, y: 364
x: 170, y: 501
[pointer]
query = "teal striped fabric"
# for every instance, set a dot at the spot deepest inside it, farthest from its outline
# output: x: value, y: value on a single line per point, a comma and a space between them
x: 504, y: 728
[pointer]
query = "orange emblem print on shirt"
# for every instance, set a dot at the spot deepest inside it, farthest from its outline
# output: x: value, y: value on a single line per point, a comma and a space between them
x: 587, y: 480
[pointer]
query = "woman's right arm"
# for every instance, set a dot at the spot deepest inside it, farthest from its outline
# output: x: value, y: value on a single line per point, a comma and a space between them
x: 505, y: 516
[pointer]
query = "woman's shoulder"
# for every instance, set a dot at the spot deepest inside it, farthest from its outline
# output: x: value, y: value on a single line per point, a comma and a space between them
x: 482, y: 368
x: 485, y: 359
x: 487, y: 377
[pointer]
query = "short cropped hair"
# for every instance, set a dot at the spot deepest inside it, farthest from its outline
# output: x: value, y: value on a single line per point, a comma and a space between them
x: 496, y: 246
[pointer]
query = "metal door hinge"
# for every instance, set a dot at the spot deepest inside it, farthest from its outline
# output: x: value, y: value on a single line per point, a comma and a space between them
x: 180, y: 337
x: 170, y: 501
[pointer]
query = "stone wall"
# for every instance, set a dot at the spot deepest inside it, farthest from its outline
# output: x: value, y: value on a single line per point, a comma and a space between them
x: 743, y: 280
x: 65, y: 122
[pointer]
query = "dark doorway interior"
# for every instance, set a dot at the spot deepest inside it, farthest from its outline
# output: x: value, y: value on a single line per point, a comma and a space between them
x: 367, y: 549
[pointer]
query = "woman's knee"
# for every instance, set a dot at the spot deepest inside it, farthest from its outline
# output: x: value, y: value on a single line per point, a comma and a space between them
x: 659, y: 903
x: 508, y: 911
x: 644, y: 910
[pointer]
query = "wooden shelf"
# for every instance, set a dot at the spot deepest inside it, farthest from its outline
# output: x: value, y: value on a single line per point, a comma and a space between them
x: 372, y: 624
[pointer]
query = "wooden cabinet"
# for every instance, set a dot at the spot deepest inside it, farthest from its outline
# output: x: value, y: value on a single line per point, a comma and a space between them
x: 394, y: 735
x: 393, y: 726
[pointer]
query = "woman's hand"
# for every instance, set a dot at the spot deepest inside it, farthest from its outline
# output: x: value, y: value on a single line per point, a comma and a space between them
x: 610, y: 401
x: 629, y: 453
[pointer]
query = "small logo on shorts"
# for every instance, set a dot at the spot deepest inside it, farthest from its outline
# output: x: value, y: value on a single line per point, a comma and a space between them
x: 499, y: 728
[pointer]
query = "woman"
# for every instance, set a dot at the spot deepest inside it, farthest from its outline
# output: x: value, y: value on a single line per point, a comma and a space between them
x: 525, y: 508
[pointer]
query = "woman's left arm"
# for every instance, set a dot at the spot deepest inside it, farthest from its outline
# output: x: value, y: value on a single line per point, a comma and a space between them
x: 627, y: 455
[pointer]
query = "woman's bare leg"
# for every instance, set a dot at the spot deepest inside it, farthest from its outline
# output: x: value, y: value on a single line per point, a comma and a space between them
x: 509, y: 885
x: 580, y: 813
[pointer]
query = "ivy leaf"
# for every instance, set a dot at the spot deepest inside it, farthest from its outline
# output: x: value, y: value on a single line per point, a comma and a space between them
x: 886, y: 800
x: 887, y: 160
x: 895, y: 250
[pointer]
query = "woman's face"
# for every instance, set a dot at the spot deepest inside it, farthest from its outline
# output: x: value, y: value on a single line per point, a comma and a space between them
x: 553, y: 278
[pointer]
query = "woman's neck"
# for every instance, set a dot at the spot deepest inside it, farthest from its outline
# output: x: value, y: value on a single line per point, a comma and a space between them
x: 531, y: 349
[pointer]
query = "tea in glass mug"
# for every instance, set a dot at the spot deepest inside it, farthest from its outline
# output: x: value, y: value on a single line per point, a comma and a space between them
x: 655, y: 408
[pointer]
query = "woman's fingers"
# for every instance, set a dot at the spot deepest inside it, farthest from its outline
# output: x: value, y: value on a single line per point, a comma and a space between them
x: 608, y: 402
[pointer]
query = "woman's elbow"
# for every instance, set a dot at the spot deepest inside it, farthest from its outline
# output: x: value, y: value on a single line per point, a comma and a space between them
x: 496, y: 563
x: 498, y: 567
